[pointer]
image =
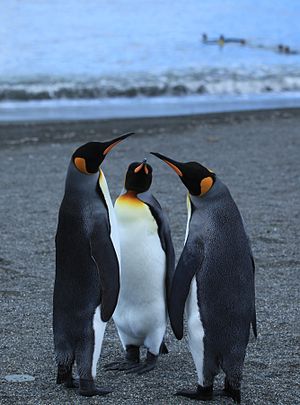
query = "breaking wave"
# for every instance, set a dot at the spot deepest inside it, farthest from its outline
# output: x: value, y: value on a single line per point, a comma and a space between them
x: 209, y: 82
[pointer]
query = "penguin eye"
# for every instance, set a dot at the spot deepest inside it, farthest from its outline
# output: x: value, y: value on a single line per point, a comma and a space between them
x: 81, y: 165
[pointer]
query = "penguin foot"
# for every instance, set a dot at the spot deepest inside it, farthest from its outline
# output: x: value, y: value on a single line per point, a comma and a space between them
x: 122, y: 365
x: 201, y: 394
x: 149, y: 365
x: 111, y: 366
x: 230, y: 392
x: 141, y: 369
x: 233, y: 394
x: 72, y: 383
x: 64, y: 375
x: 87, y: 388
x: 132, y: 360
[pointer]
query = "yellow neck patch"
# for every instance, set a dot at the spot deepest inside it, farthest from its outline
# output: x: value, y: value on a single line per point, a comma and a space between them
x: 129, y: 200
x: 128, y: 195
x: 206, y: 185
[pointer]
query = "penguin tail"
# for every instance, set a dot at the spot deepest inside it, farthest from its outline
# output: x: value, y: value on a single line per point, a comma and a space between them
x: 163, y: 348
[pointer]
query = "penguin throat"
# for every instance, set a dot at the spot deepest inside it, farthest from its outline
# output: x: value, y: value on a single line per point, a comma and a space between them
x: 130, y: 194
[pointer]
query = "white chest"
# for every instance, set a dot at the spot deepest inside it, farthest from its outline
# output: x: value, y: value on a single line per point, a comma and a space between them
x: 143, y: 259
x: 194, y: 324
x: 114, y: 234
x: 189, y: 214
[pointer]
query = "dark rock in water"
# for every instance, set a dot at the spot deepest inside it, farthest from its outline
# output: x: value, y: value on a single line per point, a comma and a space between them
x: 201, y: 89
x: 268, y: 89
x: 151, y: 90
x: 179, y: 89
x: 131, y: 92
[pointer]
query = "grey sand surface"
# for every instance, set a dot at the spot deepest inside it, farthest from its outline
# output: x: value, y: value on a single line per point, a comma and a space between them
x: 255, y: 154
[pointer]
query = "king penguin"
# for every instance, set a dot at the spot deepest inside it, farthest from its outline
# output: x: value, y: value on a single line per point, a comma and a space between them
x: 87, y: 267
x: 213, y: 282
x: 148, y: 263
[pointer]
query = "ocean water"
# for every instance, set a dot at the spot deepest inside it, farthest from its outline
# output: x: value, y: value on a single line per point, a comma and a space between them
x: 104, y: 57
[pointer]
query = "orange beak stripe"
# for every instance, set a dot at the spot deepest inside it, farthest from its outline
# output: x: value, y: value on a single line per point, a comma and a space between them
x: 137, y: 169
x: 109, y: 148
x: 175, y: 168
x: 146, y: 169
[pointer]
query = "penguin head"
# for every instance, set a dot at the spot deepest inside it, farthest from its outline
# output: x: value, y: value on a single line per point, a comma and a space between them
x: 138, y: 177
x: 88, y: 157
x: 197, y: 178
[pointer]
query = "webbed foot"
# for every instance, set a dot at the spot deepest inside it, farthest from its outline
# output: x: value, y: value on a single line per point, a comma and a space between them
x: 201, y: 394
x: 149, y: 365
x: 132, y: 360
x: 122, y: 365
x: 230, y: 392
x: 64, y: 376
x: 72, y: 383
x: 87, y: 388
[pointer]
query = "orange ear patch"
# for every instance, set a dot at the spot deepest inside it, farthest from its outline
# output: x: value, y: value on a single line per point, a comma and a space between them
x: 175, y: 168
x: 81, y: 165
x: 109, y: 148
x: 206, y: 185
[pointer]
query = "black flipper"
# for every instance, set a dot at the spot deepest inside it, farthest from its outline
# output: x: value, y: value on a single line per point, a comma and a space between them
x: 192, y: 253
x: 105, y: 257
x: 253, y: 322
x: 164, y: 235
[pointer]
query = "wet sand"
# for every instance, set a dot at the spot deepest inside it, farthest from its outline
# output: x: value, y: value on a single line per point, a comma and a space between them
x: 255, y: 153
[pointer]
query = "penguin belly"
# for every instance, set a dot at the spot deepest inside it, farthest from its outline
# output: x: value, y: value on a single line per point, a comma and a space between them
x: 195, y: 330
x: 141, y: 313
x: 99, y: 329
x: 194, y: 325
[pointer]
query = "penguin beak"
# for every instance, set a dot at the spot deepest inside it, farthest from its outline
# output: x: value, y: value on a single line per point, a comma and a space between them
x: 172, y: 163
x: 111, y: 144
x: 141, y: 166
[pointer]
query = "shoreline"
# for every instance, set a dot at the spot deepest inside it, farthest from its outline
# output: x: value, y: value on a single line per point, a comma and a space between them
x: 25, y: 132
x: 142, y: 107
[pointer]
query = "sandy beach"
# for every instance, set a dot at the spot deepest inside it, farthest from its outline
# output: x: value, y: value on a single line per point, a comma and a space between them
x: 255, y: 153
